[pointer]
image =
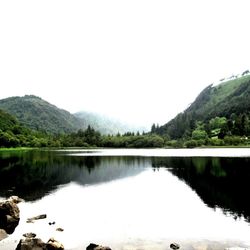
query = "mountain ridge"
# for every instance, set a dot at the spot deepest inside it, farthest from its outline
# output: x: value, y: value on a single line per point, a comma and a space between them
x: 226, y: 99
x: 38, y: 114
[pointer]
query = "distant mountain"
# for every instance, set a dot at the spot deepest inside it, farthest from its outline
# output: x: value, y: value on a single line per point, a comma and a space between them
x: 107, y: 125
x: 35, y: 113
x: 231, y: 97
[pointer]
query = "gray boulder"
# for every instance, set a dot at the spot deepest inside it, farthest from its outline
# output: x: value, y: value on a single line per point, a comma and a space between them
x: 174, y: 246
x: 9, y: 215
x: 3, y: 234
x: 31, y: 243
x: 93, y: 246
x: 53, y: 244
x: 38, y: 217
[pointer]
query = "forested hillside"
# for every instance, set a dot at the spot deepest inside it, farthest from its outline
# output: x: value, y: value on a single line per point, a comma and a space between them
x: 13, y: 134
x: 219, y: 111
x: 7, y: 121
x: 219, y: 116
x: 44, y: 125
x: 35, y: 113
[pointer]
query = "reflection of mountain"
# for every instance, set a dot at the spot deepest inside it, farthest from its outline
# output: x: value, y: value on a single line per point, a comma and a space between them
x: 33, y: 174
x: 220, y: 182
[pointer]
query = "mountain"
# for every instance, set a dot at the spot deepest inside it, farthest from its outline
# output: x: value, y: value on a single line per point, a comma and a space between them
x: 35, y: 113
x: 229, y: 99
x: 107, y: 125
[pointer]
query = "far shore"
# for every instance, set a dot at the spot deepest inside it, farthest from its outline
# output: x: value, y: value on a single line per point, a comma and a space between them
x: 61, y: 148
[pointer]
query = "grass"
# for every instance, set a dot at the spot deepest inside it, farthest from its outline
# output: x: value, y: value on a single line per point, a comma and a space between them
x: 15, y: 149
x: 223, y: 90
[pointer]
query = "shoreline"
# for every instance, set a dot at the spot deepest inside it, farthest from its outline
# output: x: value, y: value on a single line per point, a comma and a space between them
x: 4, y: 149
x: 145, y: 244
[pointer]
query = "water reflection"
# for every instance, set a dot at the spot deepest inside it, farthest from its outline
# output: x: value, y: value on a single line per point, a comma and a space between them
x: 220, y: 182
x: 31, y: 175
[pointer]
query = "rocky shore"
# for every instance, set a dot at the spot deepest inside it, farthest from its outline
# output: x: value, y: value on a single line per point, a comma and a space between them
x: 9, y: 220
x: 10, y: 217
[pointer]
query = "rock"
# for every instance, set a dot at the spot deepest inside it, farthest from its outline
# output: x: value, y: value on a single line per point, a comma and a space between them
x: 29, y: 235
x: 38, y: 217
x: 59, y: 229
x: 53, y: 244
x: 15, y: 199
x: 93, y: 246
x: 52, y: 223
x: 9, y: 215
x: 3, y: 234
x: 31, y: 243
x: 174, y: 246
x: 29, y: 221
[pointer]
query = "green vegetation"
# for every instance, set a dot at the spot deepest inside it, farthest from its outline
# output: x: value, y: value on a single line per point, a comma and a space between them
x: 37, y: 114
x: 220, y: 116
x: 90, y: 137
x: 13, y: 134
x: 18, y: 149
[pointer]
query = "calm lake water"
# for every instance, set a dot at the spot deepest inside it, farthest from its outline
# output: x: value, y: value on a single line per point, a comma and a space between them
x: 131, y: 199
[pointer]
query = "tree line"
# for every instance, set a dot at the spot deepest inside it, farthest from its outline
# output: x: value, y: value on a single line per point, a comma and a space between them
x: 13, y: 134
x: 218, y: 131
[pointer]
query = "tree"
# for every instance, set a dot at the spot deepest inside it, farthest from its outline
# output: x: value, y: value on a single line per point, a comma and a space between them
x: 224, y: 131
x: 217, y: 122
x: 245, y: 72
x: 199, y: 135
x: 153, y: 128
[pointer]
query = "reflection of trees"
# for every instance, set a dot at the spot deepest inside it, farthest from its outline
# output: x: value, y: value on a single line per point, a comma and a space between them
x: 220, y: 182
x: 32, y: 174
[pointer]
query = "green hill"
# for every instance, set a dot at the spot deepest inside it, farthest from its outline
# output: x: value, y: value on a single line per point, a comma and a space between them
x: 227, y: 103
x: 223, y: 100
x: 37, y: 114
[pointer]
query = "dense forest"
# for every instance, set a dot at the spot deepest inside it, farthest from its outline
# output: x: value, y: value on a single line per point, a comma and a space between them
x: 13, y: 134
x: 37, y: 114
x: 220, y: 116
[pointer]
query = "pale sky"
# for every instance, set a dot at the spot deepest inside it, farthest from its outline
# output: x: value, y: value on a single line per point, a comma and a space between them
x: 141, y: 61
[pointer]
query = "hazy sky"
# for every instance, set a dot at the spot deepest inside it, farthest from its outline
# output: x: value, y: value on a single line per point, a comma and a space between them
x: 142, y: 61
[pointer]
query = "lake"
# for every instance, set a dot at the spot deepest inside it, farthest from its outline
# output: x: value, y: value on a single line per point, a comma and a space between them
x: 131, y: 199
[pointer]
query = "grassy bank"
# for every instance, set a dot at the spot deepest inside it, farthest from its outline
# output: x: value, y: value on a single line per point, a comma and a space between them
x: 15, y: 149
